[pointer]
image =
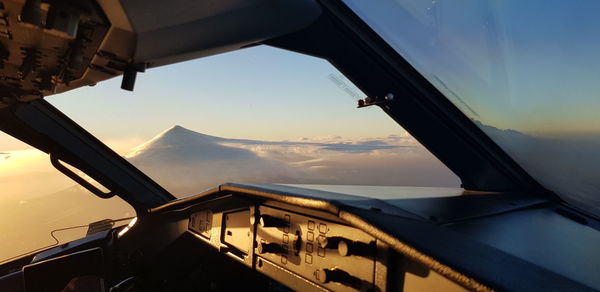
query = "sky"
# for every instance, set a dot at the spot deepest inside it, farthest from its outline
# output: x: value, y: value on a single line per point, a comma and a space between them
x: 256, y: 93
x: 261, y: 93
x: 519, y: 65
x: 497, y: 62
x: 526, y: 72
x: 506, y: 64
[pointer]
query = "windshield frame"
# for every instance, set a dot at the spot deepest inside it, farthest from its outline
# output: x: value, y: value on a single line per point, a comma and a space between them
x: 344, y: 39
x: 347, y: 42
x: 44, y: 127
x: 562, y: 193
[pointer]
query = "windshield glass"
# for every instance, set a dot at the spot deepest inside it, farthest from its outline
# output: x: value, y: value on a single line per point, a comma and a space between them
x: 526, y: 72
x: 258, y: 115
x: 40, y: 207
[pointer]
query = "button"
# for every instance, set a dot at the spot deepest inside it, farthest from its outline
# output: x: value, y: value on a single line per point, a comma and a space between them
x: 310, y: 236
x: 308, y: 258
x: 322, y: 228
x: 286, y: 239
x: 311, y: 225
x: 321, y: 252
x: 309, y: 247
x: 284, y: 259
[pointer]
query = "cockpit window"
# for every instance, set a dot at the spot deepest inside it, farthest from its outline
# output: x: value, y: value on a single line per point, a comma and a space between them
x: 525, y: 72
x: 40, y: 207
x: 258, y: 115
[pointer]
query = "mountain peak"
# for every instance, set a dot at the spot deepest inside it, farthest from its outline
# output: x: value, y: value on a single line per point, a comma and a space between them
x: 176, y: 127
x: 175, y: 136
x: 178, y: 131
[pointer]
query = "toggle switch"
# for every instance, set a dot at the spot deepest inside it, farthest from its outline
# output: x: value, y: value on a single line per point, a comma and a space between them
x: 338, y: 276
x: 265, y: 247
x: 329, y: 242
x: 347, y: 247
x: 271, y: 221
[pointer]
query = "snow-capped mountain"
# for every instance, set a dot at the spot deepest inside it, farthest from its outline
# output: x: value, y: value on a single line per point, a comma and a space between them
x: 187, y: 162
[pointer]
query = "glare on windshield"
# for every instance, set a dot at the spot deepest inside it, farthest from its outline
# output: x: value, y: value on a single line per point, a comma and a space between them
x: 525, y: 72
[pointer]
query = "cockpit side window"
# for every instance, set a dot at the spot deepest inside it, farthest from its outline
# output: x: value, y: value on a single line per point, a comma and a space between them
x: 41, y: 207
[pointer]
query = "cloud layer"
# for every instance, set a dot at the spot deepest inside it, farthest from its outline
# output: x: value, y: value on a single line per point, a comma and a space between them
x: 187, y: 162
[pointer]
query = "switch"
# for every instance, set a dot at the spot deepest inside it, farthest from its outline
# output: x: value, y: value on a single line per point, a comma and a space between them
x: 265, y: 247
x: 338, y: 276
x: 297, y: 243
x: 347, y: 247
x: 323, y: 228
x: 253, y: 217
x: 271, y: 221
x: 328, y: 242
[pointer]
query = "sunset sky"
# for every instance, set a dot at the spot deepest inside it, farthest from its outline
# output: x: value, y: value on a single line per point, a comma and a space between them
x: 500, y: 66
x: 527, y: 73
x: 257, y: 93
x: 523, y: 65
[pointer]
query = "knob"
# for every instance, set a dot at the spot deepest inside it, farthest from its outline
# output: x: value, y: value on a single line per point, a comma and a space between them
x: 328, y: 242
x: 336, y: 275
x: 270, y: 221
x: 297, y: 243
x: 347, y: 248
x: 265, y: 247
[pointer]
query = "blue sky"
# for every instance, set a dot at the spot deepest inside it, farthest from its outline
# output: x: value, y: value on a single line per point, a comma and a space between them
x: 514, y: 70
x: 257, y: 93
x: 526, y: 65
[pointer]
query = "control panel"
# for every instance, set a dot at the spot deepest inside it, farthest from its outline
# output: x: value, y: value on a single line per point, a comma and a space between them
x: 329, y: 254
x: 301, y: 248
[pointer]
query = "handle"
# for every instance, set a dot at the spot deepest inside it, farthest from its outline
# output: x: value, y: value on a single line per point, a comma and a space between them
x: 84, y: 183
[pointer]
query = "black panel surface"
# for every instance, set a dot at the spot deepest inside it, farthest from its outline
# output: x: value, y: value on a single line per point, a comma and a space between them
x: 523, y: 246
x: 545, y: 238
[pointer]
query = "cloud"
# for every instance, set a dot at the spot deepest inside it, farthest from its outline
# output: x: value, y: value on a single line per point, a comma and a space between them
x: 186, y: 162
x: 29, y: 173
x: 569, y: 166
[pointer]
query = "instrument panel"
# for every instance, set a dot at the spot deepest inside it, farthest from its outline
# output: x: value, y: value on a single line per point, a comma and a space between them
x: 300, y: 248
x: 306, y: 249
